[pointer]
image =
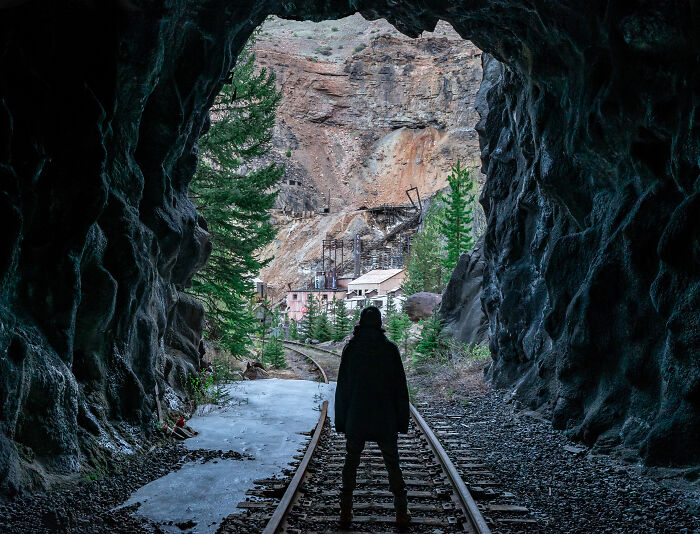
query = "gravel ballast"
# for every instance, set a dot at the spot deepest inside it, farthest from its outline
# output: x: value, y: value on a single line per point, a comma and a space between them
x: 89, y: 506
x: 568, y: 487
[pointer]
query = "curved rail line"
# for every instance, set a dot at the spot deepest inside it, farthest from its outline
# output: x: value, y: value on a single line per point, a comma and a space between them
x: 279, y: 516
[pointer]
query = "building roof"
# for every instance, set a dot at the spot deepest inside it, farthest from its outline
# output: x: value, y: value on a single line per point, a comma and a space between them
x: 377, y: 276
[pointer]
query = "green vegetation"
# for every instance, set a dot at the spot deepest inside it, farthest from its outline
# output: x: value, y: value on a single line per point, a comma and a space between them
x: 288, y: 153
x: 446, y: 234
x: 206, y: 389
x: 340, y: 47
x: 236, y: 201
x: 293, y: 330
x: 322, y: 328
x: 274, y: 354
x: 456, y: 225
x: 432, y: 343
x: 359, y: 48
x: 324, y: 50
x: 356, y: 315
x: 425, y: 270
x: 398, y: 330
x: 334, y: 29
x: 308, y: 321
x: 341, y: 320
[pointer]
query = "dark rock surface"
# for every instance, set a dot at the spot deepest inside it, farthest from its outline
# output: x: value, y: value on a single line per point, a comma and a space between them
x: 461, y: 308
x: 589, y: 138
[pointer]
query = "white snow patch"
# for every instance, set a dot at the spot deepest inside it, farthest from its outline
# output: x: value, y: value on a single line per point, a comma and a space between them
x: 264, y: 419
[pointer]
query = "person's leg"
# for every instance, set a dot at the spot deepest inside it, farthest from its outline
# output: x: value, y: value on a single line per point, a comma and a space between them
x: 390, y: 452
x: 353, y: 451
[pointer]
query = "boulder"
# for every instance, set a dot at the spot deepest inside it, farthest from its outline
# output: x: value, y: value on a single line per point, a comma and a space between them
x: 460, y: 308
x: 421, y: 305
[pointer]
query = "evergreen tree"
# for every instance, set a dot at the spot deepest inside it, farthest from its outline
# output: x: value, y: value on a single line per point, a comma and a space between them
x: 356, y: 315
x: 293, y: 330
x: 322, y: 328
x: 265, y: 324
x: 432, y: 341
x: 341, y: 321
x: 235, y: 197
x: 456, y: 225
x: 274, y: 354
x: 425, y: 270
x: 390, y: 308
x: 398, y: 330
x: 308, y: 322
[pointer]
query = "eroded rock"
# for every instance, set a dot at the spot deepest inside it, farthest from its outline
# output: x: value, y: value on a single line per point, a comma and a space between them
x: 589, y: 140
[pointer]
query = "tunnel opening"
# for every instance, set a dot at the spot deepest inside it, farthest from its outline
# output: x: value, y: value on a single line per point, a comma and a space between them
x: 590, y: 171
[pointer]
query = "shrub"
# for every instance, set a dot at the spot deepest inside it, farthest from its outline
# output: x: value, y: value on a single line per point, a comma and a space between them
x: 432, y: 343
x: 288, y: 153
x: 334, y: 29
x: 274, y: 354
x: 360, y: 48
x: 324, y: 50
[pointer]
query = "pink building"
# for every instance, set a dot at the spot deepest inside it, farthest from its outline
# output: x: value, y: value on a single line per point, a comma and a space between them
x: 297, y: 299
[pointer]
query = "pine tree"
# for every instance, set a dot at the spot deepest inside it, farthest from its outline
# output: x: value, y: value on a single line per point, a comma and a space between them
x: 322, y: 328
x: 432, y: 341
x: 293, y: 330
x: 341, y: 320
x: 274, y: 354
x: 356, y: 314
x: 308, y: 322
x: 390, y: 308
x: 235, y: 196
x: 425, y: 270
x: 398, y: 330
x: 456, y: 225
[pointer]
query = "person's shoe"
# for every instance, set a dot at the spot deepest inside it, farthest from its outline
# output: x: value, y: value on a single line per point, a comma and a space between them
x: 345, y: 510
x: 403, y: 519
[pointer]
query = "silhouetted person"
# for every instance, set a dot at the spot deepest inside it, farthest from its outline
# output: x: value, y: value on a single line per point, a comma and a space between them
x: 371, y: 404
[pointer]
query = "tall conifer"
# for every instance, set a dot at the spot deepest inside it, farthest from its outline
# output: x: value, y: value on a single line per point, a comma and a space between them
x: 457, y: 223
x: 235, y: 195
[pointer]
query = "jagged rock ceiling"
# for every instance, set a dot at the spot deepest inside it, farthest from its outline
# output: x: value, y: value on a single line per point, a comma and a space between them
x: 589, y: 138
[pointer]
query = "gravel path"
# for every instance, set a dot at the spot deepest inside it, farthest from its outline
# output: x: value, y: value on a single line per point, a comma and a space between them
x: 569, y: 491
x: 88, y: 507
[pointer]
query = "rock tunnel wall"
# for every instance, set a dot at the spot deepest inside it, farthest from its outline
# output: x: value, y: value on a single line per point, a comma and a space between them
x: 589, y: 138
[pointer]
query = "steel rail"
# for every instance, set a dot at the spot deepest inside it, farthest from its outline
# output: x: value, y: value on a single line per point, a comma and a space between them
x: 289, y: 497
x: 465, y: 499
x: 323, y: 373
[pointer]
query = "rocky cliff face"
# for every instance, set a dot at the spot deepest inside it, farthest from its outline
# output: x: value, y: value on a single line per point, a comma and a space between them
x: 590, y: 142
x: 366, y: 113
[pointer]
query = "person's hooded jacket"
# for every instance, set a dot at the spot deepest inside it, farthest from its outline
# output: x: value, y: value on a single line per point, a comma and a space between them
x: 371, y: 398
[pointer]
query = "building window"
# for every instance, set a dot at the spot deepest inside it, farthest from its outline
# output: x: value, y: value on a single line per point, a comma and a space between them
x: 294, y: 296
x: 359, y: 292
x: 324, y: 297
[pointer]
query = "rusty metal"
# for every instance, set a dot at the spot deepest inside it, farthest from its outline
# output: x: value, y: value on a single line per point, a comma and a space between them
x: 465, y: 498
x: 290, y: 495
x: 419, y: 207
x: 437, y: 477
x: 414, y: 466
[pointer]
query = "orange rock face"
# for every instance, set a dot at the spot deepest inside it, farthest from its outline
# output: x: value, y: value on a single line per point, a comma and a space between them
x: 366, y: 113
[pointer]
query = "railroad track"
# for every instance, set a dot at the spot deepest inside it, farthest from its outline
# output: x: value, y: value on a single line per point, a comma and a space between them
x: 307, y: 500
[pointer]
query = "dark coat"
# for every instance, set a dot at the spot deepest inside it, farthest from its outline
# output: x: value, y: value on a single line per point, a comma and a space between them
x: 371, y: 399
